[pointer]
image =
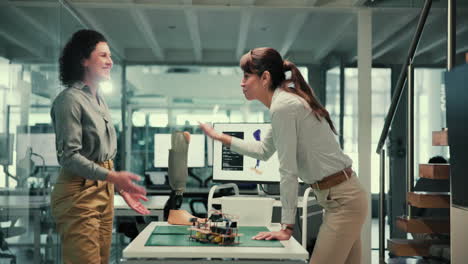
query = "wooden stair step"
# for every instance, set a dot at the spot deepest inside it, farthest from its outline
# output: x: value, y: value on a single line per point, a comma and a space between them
x: 429, y: 199
x: 434, y: 171
x: 413, y: 247
x: 440, y: 138
x: 424, y: 225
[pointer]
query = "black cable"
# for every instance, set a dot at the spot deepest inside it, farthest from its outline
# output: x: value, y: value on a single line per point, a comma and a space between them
x: 197, y: 178
x: 261, y: 186
x: 205, y: 182
x: 43, y: 162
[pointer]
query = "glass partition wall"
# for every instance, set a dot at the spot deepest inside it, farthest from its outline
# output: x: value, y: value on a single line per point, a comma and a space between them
x: 31, y: 38
x: 30, y: 41
x: 167, y: 98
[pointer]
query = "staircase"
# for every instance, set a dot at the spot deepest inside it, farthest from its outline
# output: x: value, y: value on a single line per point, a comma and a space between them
x: 425, y: 246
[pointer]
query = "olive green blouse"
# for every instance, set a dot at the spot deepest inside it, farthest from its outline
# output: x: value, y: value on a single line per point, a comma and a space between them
x: 84, y: 133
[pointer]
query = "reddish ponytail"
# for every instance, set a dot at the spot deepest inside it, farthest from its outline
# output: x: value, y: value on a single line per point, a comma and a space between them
x: 260, y: 60
x: 297, y: 85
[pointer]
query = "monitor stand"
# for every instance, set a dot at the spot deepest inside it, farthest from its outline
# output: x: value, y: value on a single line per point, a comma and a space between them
x: 260, y: 190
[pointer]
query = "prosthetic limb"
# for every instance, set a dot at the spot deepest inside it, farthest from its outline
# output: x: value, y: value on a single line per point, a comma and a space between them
x: 177, y: 178
x: 181, y: 217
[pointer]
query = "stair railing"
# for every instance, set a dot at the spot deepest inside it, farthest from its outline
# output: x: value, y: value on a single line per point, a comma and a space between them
x: 406, y: 74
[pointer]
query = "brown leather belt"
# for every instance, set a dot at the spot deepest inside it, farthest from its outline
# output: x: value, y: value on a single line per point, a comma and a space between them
x: 333, y: 180
x: 108, y: 164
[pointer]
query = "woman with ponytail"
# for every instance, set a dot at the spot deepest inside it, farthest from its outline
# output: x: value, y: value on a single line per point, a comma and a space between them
x: 304, y: 136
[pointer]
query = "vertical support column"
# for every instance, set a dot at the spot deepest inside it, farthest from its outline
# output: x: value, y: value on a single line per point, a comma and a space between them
x: 397, y: 160
x: 7, y: 133
x: 364, y: 116
x: 123, y: 107
x: 128, y: 137
x: 316, y: 77
x: 171, y: 118
x: 25, y: 103
x: 451, y: 33
x: 382, y: 209
x: 147, y: 139
x: 410, y: 136
x: 342, y: 102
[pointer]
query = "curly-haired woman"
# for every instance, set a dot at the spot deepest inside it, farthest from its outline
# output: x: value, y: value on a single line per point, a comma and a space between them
x: 83, y: 197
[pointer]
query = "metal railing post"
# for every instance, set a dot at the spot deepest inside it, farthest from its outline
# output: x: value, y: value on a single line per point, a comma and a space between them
x: 382, y: 208
x: 410, y: 136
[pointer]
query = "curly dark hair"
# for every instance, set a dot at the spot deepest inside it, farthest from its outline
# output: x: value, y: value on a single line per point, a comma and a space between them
x: 78, y: 48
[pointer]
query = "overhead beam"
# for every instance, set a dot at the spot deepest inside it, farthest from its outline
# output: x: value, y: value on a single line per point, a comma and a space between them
x: 392, y: 43
x: 246, y: 17
x: 89, y: 22
x: 34, y: 23
x: 330, y: 43
x: 23, y: 44
x: 358, y: 2
x: 333, y: 6
x: 295, y: 27
x: 147, y: 32
x: 392, y: 29
x: 400, y: 36
x: 192, y: 24
x: 310, y: 2
x: 396, y: 26
x: 432, y: 44
x: 50, y: 4
x: 440, y: 58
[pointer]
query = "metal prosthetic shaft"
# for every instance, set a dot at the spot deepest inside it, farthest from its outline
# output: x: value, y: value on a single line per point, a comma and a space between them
x: 178, y: 172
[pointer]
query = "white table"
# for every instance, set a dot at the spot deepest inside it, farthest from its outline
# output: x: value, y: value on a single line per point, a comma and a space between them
x: 137, y: 252
x: 303, y: 203
x: 24, y: 206
x: 155, y: 205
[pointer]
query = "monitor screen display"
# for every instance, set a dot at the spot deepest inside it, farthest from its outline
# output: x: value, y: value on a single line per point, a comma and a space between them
x: 229, y: 166
x: 196, y: 152
x: 37, y: 145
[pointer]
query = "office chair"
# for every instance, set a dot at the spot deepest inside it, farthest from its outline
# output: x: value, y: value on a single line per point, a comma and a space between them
x: 6, y: 232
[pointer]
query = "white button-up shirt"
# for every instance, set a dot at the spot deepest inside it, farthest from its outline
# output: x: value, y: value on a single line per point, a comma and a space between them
x: 307, y: 148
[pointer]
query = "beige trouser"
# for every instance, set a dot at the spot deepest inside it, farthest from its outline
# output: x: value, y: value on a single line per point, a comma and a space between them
x: 83, y: 210
x: 345, y: 210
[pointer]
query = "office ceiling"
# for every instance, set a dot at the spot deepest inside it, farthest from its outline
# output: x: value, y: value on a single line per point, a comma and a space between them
x: 218, y: 32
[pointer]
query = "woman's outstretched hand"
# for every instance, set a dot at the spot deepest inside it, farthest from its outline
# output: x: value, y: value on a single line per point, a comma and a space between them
x: 123, y: 180
x: 209, y: 131
x: 279, y: 235
x: 215, y: 135
x: 133, y: 201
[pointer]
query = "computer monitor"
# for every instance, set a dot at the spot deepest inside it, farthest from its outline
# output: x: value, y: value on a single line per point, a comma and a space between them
x: 229, y: 166
x: 196, y: 151
x: 6, y: 150
x: 41, y: 144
